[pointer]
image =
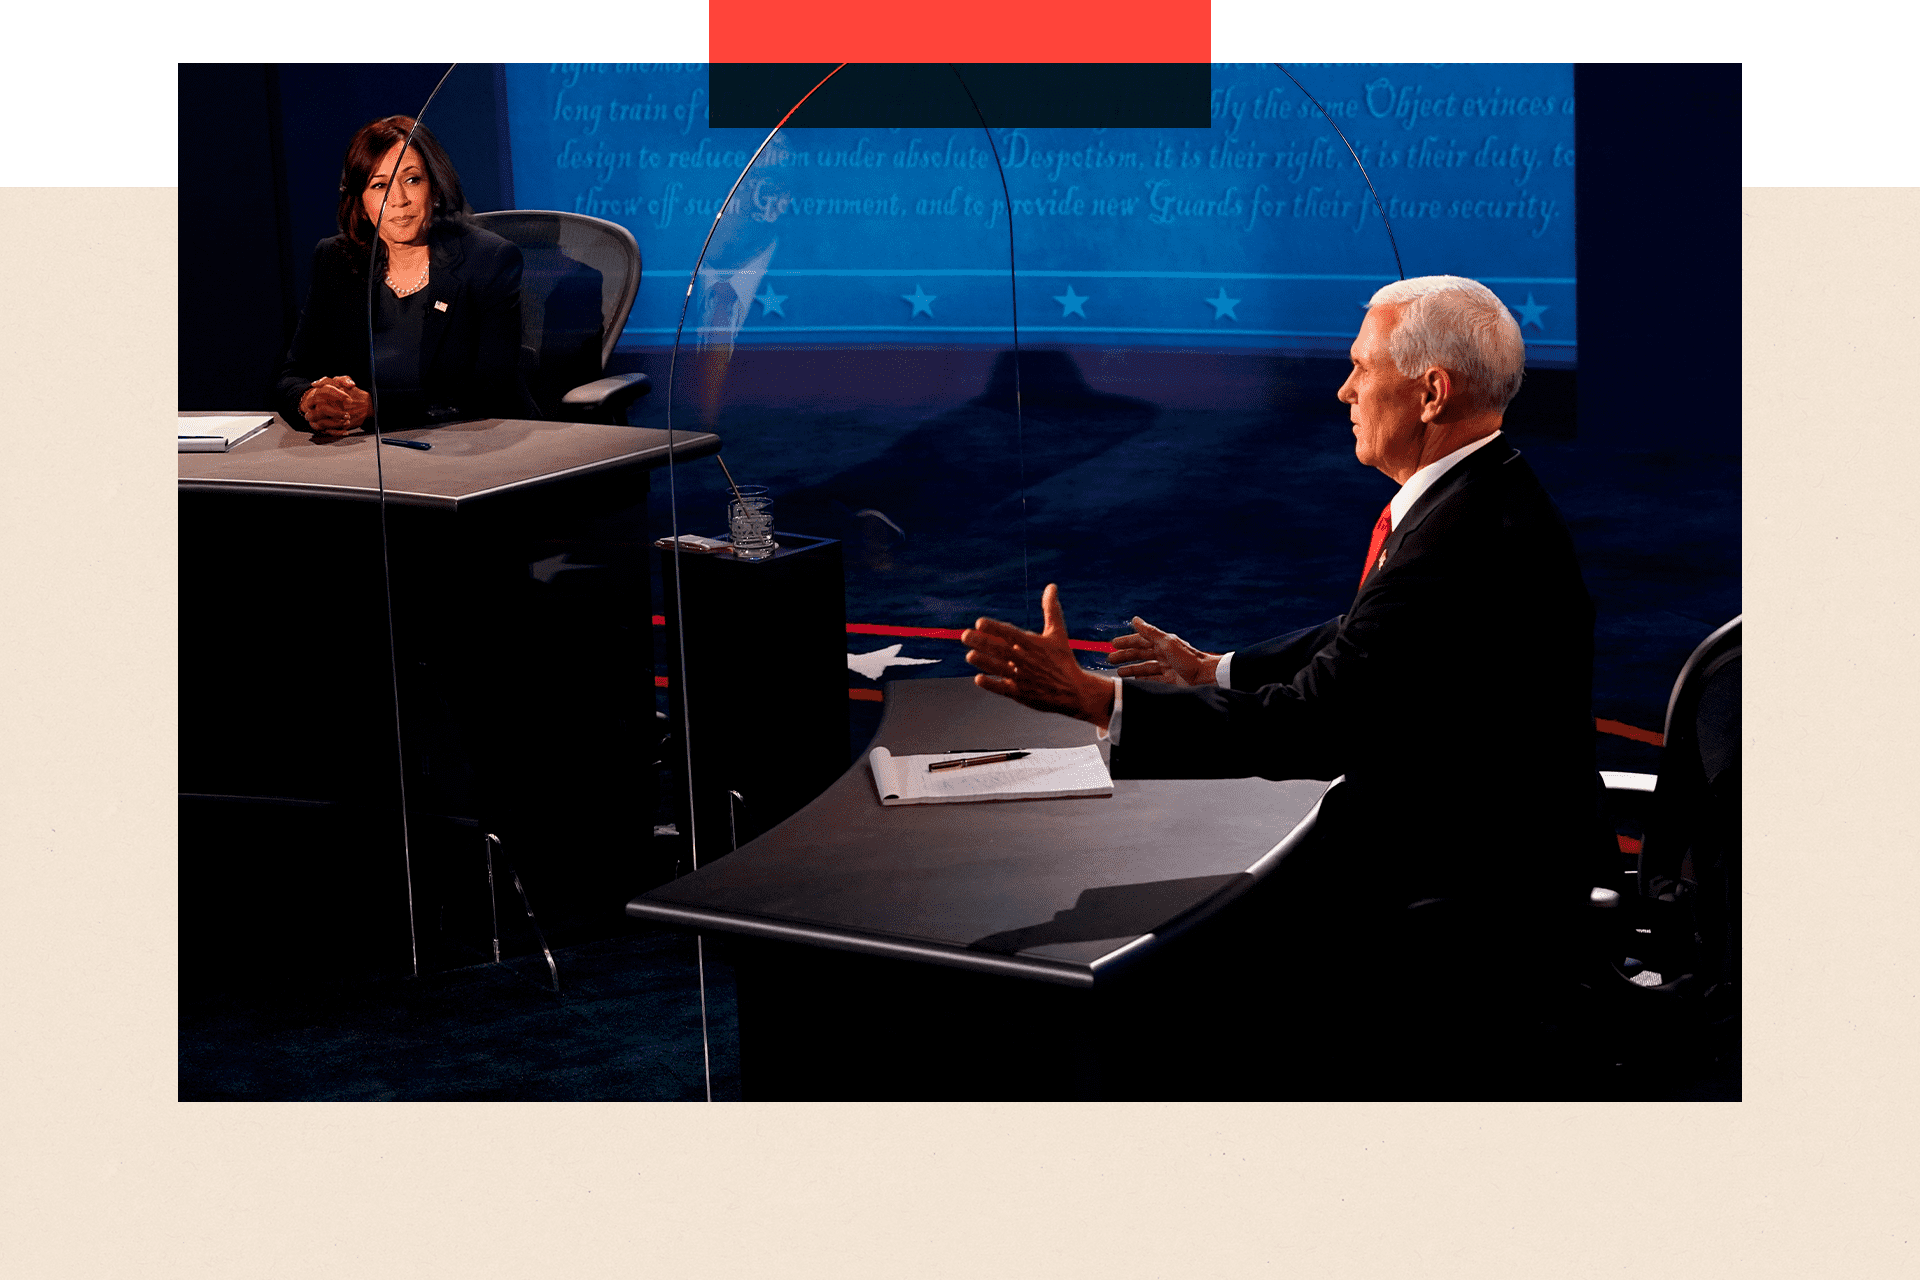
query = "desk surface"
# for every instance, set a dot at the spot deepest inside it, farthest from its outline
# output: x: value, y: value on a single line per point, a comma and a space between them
x: 469, y: 460
x: 1055, y: 890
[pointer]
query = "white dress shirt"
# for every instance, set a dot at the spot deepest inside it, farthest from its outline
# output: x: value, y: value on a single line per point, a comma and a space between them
x: 1417, y: 483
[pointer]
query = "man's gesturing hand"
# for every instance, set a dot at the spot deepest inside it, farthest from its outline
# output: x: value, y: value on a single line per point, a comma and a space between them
x: 1152, y: 654
x: 1038, y: 670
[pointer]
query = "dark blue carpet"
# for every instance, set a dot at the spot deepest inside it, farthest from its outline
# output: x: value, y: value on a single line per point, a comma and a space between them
x: 626, y: 1026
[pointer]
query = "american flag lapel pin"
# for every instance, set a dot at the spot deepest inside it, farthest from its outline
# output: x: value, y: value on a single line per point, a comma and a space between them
x: 439, y: 306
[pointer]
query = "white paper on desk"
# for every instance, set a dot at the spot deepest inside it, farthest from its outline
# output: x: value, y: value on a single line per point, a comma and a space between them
x: 219, y: 434
x: 1047, y: 772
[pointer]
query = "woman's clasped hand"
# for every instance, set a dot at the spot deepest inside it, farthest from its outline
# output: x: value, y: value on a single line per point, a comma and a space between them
x: 334, y: 406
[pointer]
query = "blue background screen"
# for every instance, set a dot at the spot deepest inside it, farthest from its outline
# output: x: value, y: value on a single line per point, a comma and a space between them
x: 1257, y: 233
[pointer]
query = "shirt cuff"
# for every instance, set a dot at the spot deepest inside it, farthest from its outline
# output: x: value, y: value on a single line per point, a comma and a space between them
x: 1220, y: 673
x: 1112, y: 732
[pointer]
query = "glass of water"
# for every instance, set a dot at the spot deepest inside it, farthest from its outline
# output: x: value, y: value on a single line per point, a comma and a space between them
x: 750, y: 522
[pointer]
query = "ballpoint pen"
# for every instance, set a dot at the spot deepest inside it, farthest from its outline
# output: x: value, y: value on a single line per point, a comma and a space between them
x: 405, y: 444
x: 938, y: 765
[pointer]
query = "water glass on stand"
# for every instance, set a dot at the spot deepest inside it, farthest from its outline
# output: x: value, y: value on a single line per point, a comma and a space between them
x: 750, y: 522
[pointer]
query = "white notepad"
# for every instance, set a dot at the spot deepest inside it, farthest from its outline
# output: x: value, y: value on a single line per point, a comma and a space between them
x: 1045, y: 773
x: 217, y: 435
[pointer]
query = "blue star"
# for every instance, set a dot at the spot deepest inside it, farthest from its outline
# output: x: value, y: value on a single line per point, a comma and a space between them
x: 771, y: 302
x: 1071, y: 304
x: 1530, y: 313
x: 1223, y: 305
x: 922, y: 301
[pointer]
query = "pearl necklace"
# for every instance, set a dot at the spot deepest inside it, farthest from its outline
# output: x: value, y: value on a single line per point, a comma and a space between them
x: 415, y: 287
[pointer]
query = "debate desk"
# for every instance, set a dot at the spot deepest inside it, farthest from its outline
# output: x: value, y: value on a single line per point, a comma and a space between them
x: 517, y: 568
x: 1028, y: 949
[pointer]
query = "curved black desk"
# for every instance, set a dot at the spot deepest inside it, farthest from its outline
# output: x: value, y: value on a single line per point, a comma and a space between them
x: 519, y: 587
x: 471, y: 464
x: 281, y: 543
x: 1017, y: 916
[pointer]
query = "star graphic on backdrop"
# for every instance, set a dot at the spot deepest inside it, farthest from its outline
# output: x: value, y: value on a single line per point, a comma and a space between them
x: 1223, y: 305
x: 921, y: 300
x: 1530, y: 313
x: 1071, y: 304
x: 771, y: 302
x: 874, y: 665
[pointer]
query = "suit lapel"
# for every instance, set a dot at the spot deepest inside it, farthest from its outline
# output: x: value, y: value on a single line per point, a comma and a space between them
x: 1480, y: 462
x: 444, y: 293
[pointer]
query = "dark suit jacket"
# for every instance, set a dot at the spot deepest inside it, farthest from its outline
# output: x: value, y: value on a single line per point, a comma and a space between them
x: 470, y: 352
x: 1455, y: 696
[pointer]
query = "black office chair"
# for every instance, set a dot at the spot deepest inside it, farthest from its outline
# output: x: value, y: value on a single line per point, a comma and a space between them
x: 1643, y: 999
x: 1677, y: 930
x: 1648, y: 1003
x: 580, y: 279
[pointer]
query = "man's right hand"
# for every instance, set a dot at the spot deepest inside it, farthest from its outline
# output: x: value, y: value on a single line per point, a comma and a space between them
x: 1038, y: 669
x: 1152, y: 654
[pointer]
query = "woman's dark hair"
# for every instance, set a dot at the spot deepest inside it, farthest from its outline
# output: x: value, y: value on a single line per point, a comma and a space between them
x: 375, y: 140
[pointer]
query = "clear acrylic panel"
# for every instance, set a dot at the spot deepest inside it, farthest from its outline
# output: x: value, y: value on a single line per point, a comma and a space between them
x: 849, y: 334
x: 515, y: 528
x: 1182, y: 302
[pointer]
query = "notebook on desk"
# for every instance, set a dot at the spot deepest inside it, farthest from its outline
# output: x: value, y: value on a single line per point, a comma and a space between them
x: 1043, y: 773
x: 219, y: 434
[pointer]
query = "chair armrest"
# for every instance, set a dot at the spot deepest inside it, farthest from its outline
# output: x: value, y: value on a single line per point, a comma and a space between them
x: 1627, y: 812
x: 1629, y: 801
x: 609, y: 394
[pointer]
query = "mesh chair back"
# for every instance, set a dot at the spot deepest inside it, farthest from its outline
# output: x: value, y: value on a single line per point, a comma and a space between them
x: 580, y: 279
x: 1692, y: 856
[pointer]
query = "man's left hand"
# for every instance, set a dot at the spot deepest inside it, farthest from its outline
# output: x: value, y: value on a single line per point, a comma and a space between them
x: 1148, y: 653
x: 1038, y: 670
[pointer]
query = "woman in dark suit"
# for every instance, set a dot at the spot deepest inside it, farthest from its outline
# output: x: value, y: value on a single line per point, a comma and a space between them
x: 446, y: 301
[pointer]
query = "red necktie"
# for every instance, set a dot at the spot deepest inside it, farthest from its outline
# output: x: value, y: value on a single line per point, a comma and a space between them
x: 1381, y: 528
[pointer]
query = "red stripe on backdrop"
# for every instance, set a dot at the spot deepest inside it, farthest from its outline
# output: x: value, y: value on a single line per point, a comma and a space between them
x: 977, y: 31
x: 879, y: 629
x: 1621, y: 730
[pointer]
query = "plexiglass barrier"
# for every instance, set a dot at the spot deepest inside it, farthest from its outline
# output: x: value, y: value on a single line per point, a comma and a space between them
x: 515, y: 523
x: 894, y: 479
x: 976, y: 360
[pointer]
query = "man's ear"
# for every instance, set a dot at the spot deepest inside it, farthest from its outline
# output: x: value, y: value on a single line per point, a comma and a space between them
x: 1436, y: 388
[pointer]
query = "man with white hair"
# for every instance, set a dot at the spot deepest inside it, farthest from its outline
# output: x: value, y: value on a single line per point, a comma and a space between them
x: 1454, y: 695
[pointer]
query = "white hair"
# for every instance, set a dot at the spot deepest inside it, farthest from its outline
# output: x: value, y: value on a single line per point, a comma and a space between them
x: 1461, y: 326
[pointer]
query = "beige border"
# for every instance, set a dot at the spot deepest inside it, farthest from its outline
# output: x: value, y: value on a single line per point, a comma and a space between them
x: 108, y: 1177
